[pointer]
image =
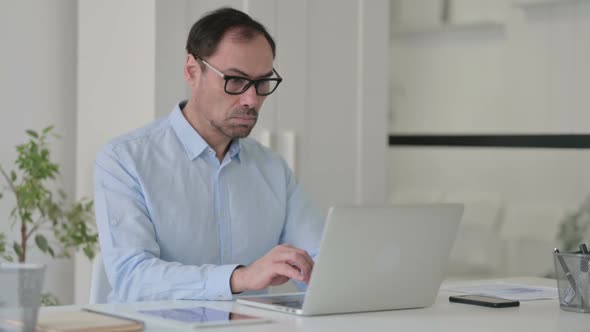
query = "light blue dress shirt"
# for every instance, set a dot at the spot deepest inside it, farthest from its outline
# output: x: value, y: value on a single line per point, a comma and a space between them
x: 174, y: 222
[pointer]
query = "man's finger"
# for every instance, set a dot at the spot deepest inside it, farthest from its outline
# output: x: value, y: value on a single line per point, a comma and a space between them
x: 288, y: 271
x: 296, y: 259
x: 306, y: 256
x: 289, y: 248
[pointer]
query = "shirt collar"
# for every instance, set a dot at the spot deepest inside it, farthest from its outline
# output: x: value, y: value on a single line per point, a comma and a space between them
x: 235, y: 148
x: 192, y: 142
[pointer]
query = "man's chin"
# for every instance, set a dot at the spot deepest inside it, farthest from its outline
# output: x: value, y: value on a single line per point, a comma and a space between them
x: 240, y: 131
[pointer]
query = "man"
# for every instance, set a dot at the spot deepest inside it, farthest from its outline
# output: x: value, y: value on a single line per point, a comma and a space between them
x: 188, y: 207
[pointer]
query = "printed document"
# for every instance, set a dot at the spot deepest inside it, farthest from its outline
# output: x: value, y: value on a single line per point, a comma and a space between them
x: 507, y: 291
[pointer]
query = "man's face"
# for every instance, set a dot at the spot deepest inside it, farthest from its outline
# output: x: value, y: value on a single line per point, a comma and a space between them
x: 232, y: 116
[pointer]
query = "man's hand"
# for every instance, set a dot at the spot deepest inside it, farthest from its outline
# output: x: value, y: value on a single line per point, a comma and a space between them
x: 282, y: 263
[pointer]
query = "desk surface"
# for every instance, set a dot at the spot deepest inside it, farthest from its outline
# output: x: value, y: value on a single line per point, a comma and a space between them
x: 543, y: 315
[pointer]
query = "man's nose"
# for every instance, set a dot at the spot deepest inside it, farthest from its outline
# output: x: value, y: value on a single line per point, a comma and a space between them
x: 249, y: 98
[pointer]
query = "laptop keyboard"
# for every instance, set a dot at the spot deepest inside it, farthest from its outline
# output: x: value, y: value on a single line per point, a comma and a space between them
x: 289, y: 301
x: 290, y: 304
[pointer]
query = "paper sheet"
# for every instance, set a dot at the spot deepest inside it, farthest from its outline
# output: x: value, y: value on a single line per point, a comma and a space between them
x: 507, y: 291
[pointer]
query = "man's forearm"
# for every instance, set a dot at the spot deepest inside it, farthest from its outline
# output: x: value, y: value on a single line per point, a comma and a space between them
x: 145, y: 277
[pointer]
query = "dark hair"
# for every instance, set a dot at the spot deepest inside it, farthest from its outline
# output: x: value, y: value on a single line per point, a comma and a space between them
x: 207, y: 32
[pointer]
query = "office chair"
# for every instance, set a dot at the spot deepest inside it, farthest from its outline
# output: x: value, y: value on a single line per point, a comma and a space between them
x: 100, y: 286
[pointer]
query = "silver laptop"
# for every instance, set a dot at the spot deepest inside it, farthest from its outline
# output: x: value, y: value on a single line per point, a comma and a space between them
x: 375, y: 258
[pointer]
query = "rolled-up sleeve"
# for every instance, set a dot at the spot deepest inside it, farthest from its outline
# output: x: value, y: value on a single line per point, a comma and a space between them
x: 129, y: 247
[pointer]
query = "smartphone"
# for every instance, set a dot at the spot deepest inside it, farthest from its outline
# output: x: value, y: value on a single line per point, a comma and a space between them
x: 486, y: 301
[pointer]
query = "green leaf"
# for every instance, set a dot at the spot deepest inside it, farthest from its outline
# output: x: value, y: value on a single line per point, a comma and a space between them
x: 47, y: 130
x: 2, y: 243
x: 12, y: 176
x: 51, y: 252
x: 32, y: 133
x: 1, y: 195
x: 89, y: 251
x: 48, y: 299
x: 41, y: 242
x: 17, y: 249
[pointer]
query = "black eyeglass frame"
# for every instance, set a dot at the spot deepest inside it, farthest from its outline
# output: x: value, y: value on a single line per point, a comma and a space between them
x: 227, y: 78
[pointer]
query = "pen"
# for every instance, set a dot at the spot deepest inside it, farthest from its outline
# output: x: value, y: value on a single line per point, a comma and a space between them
x: 584, y: 259
x: 570, y: 278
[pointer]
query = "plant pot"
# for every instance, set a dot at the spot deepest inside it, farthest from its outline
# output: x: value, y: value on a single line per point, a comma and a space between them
x: 20, y: 295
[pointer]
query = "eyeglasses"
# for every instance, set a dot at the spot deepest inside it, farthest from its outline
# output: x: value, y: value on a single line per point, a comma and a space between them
x: 235, y: 85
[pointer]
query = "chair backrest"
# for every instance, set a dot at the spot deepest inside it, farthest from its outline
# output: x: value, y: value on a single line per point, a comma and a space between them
x: 100, y: 286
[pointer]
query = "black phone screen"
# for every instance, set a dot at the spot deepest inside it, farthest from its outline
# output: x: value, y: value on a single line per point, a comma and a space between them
x: 486, y: 301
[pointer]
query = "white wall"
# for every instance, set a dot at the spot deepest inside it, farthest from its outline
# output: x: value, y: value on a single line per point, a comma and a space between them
x: 525, y: 74
x: 37, y: 89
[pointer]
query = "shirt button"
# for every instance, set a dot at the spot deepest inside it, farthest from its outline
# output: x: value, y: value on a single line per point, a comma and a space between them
x: 116, y: 218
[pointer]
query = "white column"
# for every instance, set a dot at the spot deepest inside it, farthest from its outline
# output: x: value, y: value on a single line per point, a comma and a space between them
x: 345, y: 113
x: 171, y: 34
x: 372, y: 101
x: 116, y: 87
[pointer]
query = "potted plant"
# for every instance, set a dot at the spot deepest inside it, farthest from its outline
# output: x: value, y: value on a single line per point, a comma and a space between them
x: 41, y: 210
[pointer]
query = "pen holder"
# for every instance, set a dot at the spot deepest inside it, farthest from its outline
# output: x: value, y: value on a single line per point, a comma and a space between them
x: 573, y: 280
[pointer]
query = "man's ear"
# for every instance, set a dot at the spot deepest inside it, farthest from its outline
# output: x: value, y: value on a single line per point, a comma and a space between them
x: 192, y: 70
